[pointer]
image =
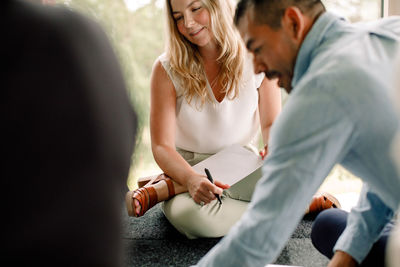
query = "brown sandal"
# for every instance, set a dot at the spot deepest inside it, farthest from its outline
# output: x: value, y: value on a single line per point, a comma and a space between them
x: 147, y: 196
x: 153, y: 179
x: 323, y: 201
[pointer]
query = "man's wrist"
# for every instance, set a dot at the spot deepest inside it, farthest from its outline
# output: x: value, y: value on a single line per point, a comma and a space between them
x: 342, y: 259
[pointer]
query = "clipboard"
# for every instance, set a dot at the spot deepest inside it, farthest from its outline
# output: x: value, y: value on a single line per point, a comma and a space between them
x: 231, y: 164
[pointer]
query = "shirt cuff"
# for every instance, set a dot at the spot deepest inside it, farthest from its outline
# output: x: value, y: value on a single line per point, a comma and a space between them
x: 354, y: 244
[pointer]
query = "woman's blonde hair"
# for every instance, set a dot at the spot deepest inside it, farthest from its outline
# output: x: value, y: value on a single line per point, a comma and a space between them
x: 185, y: 59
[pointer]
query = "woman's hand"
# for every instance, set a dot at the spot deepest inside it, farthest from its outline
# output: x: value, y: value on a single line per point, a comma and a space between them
x: 202, y: 190
x: 264, y: 152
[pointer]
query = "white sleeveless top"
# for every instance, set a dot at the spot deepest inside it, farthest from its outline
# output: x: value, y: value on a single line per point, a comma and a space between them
x: 216, y: 125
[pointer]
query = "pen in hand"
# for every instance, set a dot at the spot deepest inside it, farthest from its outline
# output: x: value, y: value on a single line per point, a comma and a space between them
x: 212, y: 181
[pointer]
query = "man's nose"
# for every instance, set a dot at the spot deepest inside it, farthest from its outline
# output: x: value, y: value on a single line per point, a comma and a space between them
x: 258, y: 65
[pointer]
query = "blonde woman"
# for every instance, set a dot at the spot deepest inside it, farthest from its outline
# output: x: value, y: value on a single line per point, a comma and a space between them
x: 204, y: 97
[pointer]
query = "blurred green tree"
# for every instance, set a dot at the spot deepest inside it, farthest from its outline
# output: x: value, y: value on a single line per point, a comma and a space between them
x: 138, y: 39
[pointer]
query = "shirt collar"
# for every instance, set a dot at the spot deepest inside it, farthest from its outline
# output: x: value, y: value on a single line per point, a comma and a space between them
x: 310, y: 43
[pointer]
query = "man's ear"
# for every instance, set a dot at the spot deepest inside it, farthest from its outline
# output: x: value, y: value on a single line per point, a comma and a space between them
x: 293, y: 21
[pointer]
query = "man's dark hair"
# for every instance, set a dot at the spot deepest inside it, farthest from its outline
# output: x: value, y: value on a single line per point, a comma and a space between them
x: 270, y: 12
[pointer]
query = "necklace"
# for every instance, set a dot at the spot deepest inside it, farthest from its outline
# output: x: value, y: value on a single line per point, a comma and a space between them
x: 212, y: 84
x: 218, y: 95
x: 214, y: 81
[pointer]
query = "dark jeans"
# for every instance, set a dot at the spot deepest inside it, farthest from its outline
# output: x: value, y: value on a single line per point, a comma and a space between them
x: 329, y: 225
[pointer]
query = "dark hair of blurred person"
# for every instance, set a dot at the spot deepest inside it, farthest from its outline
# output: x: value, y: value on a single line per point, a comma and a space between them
x: 68, y: 136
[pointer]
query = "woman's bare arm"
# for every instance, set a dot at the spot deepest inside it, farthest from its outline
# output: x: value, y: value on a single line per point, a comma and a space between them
x: 269, y: 106
x: 162, y: 129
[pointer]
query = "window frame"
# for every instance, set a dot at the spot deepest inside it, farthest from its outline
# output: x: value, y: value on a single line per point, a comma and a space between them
x: 390, y: 8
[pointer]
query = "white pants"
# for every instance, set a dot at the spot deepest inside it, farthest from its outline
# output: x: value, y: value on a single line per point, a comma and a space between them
x: 213, y: 219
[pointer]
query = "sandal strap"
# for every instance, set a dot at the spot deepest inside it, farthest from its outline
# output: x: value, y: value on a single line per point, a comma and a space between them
x: 335, y: 201
x: 149, y: 180
x: 168, y: 181
x: 147, y: 195
x: 147, y: 198
x: 323, y: 201
x: 141, y: 196
x: 171, y: 188
x: 153, y: 198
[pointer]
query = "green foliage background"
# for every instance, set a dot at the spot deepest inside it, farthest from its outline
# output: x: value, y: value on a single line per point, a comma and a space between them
x: 138, y: 39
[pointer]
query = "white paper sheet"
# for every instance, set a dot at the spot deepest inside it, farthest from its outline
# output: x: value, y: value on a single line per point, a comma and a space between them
x: 231, y: 164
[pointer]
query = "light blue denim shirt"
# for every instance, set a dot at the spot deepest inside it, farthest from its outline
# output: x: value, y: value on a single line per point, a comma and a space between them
x: 338, y: 112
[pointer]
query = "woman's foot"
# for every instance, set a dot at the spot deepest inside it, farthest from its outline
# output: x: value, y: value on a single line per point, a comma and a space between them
x: 322, y: 201
x: 141, y: 200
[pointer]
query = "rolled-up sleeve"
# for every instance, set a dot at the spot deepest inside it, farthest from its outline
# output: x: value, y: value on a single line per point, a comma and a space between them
x: 364, y: 225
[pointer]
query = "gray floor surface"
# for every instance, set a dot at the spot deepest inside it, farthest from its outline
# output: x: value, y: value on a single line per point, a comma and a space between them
x: 152, y: 241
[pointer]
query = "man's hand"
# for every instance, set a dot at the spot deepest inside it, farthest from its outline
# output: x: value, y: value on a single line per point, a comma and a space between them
x: 342, y: 259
